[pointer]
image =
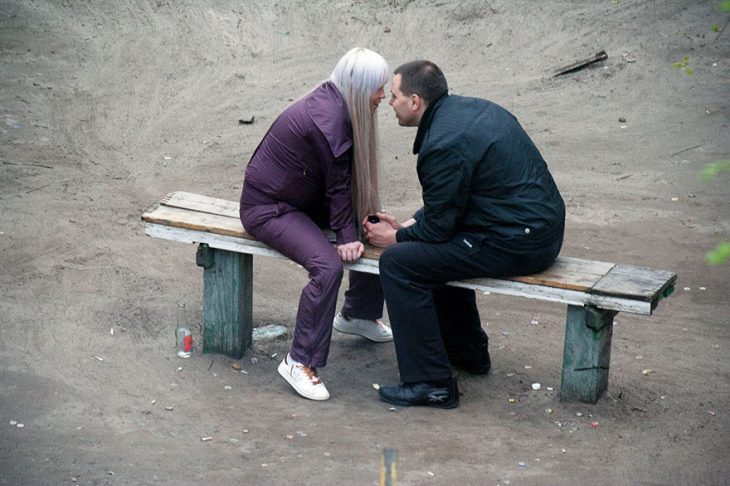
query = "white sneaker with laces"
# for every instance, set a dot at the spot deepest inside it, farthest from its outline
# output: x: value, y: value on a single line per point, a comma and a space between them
x: 303, y: 379
x: 372, y: 330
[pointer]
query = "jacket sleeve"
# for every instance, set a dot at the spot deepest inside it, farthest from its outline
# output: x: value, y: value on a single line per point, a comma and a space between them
x: 339, y: 199
x: 446, y: 179
x: 418, y: 214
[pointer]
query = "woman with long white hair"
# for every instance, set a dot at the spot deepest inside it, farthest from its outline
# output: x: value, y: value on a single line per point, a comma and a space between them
x: 317, y: 167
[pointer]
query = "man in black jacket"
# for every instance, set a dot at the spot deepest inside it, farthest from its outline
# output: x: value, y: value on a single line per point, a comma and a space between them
x: 490, y: 209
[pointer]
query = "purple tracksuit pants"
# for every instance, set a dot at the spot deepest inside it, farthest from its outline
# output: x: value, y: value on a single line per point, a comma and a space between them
x: 295, y: 235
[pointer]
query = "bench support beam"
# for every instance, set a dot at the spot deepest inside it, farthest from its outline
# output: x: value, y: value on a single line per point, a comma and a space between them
x: 586, y: 353
x: 227, y: 300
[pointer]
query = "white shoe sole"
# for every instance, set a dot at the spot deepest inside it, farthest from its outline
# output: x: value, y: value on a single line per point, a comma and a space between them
x: 284, y: 372
x: 355, y: 331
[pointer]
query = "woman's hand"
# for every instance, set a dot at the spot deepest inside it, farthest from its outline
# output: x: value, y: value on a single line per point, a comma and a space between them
x: 349, y: 252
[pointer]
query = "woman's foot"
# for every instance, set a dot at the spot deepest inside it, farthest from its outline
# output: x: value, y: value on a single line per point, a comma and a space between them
x: 372, y: 330
x: 303, y: 379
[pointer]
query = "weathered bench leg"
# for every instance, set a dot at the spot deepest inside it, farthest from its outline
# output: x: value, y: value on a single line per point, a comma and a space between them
x: 587, y: 353
x: 227, y: 300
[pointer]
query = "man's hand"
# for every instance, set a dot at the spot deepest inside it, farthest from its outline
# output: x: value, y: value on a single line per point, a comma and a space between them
x: 349, y: 252
x: 381, y: 234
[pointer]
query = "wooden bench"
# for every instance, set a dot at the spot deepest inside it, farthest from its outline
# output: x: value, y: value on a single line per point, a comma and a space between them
x: 594, y: 291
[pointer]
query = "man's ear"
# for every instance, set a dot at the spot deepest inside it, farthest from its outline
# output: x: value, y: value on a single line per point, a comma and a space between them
x: 416, y: 102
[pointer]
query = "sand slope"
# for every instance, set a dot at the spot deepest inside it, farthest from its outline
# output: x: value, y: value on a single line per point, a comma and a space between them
x: 107, y: 106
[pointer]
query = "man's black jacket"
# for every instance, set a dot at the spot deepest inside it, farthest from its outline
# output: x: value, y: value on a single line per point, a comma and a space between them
x: 481, y: 174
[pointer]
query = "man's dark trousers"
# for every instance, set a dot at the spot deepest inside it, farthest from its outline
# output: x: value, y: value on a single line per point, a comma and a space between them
x: 425, y: 315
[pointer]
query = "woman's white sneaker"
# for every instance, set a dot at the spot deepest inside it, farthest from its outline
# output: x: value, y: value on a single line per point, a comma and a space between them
x: 372, y: 330
x: 303, y: 379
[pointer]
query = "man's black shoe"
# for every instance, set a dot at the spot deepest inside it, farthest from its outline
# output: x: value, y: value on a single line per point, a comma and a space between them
x: 442, y: 394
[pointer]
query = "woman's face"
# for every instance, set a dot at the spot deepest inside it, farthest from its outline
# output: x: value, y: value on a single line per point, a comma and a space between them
x: 375, y: 99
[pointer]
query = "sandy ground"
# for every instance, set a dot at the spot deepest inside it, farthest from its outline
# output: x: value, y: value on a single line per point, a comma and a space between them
x: 107, y: 106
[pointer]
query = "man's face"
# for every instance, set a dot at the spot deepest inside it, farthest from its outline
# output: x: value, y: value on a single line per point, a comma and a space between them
x: 402, y: 105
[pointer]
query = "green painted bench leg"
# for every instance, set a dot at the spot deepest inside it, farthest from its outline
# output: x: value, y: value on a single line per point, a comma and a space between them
x: 587, y: 353
x: 227, y: 300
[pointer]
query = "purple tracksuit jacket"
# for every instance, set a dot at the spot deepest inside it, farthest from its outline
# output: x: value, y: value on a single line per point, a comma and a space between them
x: 303, y: 163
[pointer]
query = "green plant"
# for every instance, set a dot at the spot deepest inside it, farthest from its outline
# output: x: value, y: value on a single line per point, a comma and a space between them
x: 683, y: 65
x: 721, y: 253
x: 714, y: 169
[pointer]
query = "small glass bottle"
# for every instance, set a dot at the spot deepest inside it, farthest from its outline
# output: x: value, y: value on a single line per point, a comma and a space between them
x: 183, y: 335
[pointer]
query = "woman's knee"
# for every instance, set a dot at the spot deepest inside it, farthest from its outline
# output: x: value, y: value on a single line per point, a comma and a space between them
x: 328, y: 271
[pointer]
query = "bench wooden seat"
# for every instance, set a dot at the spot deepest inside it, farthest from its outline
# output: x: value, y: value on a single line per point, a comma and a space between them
x: 594, y: 291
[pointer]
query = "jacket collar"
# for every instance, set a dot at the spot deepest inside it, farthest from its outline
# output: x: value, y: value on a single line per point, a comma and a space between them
x: 328, y: 111
x: 425, y: 122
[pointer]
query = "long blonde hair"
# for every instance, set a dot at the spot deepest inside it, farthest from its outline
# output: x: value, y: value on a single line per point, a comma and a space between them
x: 358, y: 75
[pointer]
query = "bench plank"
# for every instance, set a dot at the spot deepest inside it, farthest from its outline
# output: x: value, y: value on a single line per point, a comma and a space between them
x: 219, y: 216
x: 238, y: 245
x: 203, y: 204
x: 214, y: 223
x: 195, y: 220
x: 369, y: 265
x: 637, y: 282
x: 569, y: 273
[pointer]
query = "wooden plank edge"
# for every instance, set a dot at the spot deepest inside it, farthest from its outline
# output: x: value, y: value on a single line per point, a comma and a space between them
x: 167, y: 197
x: 555, y: 294
x: 168, y: 201
x: 150, y: 217
x: 503, y: 287
x: 156, y: 205
x: 539, y: 278
x: 529, y: 279
x: 662, y: 291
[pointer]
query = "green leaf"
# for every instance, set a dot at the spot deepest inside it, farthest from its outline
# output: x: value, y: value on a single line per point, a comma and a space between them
x: 682, y: 63
x: 689, y: 71
x: 713, y: 170
x: 715, y: 28
x: 719, y: 254
x: 725, y: 6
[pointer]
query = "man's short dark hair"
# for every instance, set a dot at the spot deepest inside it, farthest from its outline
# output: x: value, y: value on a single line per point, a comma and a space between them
x: 423, y: 78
